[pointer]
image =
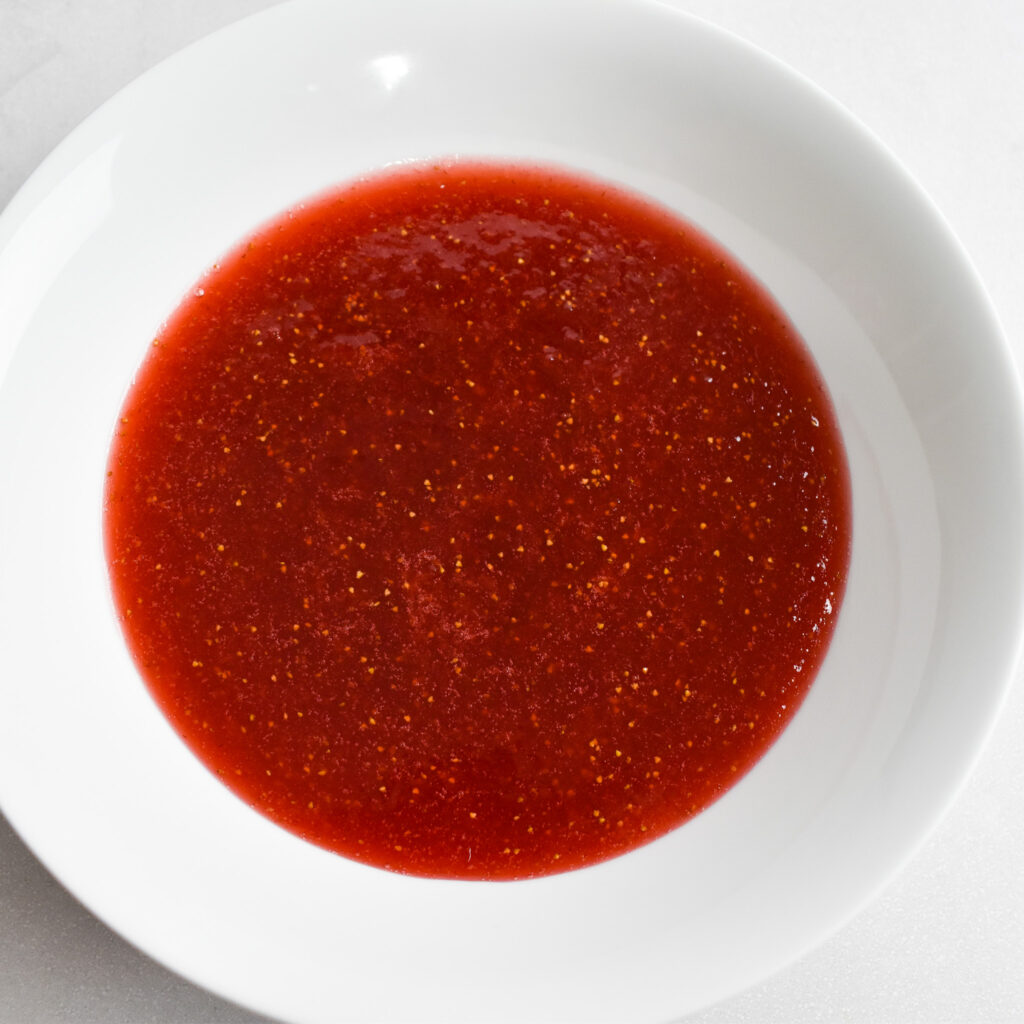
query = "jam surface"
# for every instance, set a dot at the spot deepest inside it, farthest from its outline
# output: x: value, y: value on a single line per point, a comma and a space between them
x: 478, y: 521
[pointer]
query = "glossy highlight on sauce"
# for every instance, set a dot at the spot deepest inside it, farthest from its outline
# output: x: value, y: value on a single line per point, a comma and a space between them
x: 478, y: 521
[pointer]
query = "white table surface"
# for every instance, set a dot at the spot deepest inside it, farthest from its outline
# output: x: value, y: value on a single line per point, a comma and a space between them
x: 941, y: 82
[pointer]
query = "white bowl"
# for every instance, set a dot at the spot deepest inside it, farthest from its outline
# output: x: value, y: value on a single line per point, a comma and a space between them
x: 97, y: 249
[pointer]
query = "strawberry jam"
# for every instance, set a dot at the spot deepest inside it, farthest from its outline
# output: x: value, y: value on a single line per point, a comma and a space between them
x: 478, y: 521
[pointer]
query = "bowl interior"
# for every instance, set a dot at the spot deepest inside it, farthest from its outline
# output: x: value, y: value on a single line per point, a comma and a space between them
x: 121, y: 220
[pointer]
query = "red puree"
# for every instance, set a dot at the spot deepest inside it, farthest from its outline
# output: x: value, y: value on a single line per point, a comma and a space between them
x: 478, y: 521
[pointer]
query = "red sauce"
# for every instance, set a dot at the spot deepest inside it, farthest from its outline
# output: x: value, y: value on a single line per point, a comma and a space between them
x: 478, y: 521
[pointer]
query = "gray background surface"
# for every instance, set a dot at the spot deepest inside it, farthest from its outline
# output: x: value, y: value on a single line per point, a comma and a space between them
x: 942, y: 83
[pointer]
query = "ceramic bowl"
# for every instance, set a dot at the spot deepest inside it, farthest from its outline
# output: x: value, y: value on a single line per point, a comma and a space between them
x: 102, y: 242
